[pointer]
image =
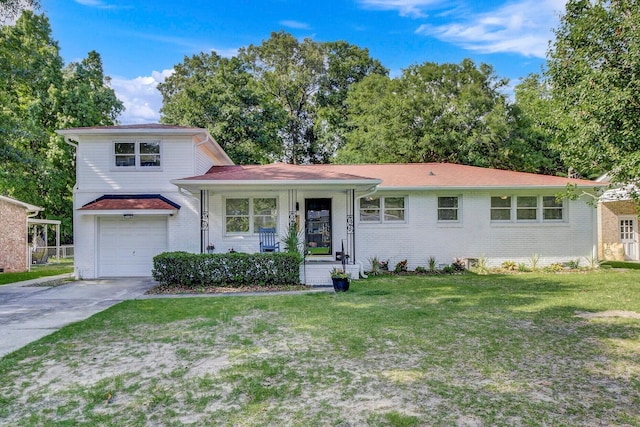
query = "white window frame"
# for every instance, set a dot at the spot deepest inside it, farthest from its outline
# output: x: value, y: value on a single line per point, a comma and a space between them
x: 382, y: 211
x: 539, y: 208
x: 457, y: 208
x: 251, y: 215
x: 138, y: 166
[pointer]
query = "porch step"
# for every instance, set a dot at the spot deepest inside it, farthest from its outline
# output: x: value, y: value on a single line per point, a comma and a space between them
x: 318, y: 273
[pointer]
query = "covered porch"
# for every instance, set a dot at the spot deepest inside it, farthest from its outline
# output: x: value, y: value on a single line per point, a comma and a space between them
x: 235, y: 201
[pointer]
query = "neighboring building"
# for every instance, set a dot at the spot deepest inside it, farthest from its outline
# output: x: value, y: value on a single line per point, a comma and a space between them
x: 146, y: 189
x: 618, y: 225
x: 14, y: 215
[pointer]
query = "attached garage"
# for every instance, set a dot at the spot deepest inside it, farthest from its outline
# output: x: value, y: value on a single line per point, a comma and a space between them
x: 126, y: 246
x: 130, y: 231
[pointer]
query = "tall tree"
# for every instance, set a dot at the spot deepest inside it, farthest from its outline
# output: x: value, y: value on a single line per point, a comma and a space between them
x: 440, y: 113
x: 346, y: 65
x: 532, y: 139
x: 290, y: 72
x: 11, y: 9
x: 218, y: 94
x: 594, y: 67
x: 37, y: 97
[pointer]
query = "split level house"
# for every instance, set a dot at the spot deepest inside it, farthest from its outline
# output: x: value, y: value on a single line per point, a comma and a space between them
x: 146, y: 189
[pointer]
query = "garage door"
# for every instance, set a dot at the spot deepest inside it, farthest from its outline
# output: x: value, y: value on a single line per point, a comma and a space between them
x: 126, y: 247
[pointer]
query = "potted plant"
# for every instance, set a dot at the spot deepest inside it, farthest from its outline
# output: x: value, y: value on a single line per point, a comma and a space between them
x: 340, y: 279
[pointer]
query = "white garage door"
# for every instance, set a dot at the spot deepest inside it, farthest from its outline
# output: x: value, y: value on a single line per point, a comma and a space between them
x: 126, y: 247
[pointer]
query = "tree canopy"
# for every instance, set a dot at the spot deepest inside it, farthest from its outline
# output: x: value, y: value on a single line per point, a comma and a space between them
x: 454, y: 113
x: 594, y: 69
x: 38, y: 95
x: 280, y: 100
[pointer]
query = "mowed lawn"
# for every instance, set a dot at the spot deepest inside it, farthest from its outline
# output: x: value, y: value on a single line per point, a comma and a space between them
x: 506, y: 350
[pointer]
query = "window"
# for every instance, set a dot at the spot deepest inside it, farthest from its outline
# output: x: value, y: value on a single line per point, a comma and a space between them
x: 552, y: 208
x: 527, y: 209
x: 382, y: 209
x: 448, y: 208
x: 393, y: 209
x: 248, y: 215
x: 137, y: 154
x: 501, y: 208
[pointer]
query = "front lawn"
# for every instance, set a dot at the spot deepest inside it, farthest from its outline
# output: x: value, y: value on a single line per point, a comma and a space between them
x: 38, y: 271
x: 512, y: 350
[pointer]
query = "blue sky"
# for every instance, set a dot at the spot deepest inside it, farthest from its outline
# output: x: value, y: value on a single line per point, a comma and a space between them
x: 140, y: 41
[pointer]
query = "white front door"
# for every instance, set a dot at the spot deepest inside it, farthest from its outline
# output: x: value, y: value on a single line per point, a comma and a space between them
x: 629, y: 237
x: 126, y: 247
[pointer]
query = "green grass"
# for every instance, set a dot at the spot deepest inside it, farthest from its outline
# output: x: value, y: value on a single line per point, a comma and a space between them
x: 37, y: 271
x: 504, y: 350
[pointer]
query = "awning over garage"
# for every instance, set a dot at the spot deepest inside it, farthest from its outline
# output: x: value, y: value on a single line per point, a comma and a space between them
x: 119, y: 204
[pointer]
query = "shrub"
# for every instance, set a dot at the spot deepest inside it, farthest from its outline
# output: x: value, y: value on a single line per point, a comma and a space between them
x: 433, y: 264
x: 534, y: 260
x: 574, y: 264
x: 230, y: 269
x: 458, y: 265
x: 376, y: 267
x: 448, y: 269
x: 420, y: 269
x: 522, y: 268
x: 401, y: 266
x: 384, y: 265
x: 509, y: 265
x: 554, y: 268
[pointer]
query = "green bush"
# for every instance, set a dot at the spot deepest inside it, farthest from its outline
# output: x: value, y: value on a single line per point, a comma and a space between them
x: 231, y: 269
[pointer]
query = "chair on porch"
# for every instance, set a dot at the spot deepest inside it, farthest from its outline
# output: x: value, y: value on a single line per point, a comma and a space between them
x: 268, y: 240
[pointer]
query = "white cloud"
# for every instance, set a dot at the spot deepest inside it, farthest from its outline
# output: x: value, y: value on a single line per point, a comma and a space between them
x: 410, y: 8
x: 523, y: 27
x: 95, y: 3
x: 140, y: 96
x: 295, y: 25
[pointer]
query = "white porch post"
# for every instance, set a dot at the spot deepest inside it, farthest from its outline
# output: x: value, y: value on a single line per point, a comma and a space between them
x: 204, y: 220
x: 351, y: 241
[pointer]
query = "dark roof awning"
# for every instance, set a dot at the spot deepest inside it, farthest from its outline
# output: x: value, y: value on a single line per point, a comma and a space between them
x: 118, y: 204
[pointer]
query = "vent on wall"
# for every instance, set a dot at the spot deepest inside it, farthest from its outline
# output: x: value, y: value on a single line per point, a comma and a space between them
x: 1, y: 270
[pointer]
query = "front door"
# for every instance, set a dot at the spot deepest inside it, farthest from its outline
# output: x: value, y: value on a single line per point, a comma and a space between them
x: 318, y: 226
x: 629, y: 237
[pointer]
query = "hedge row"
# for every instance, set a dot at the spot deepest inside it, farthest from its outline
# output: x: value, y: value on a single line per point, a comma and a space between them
x: 234, y: 269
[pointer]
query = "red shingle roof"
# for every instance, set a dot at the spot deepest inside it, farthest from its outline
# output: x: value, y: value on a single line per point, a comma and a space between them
x: 417, y: 175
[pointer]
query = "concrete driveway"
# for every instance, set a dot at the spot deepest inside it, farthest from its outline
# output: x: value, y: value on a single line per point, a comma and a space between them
x: 28, y: 313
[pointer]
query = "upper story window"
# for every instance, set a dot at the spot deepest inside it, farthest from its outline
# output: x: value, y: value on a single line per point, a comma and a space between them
x: 145, y: 154
x: 527, y: 209
x: 382, y: 209
x: 448, y: 208
x: 245, y: 216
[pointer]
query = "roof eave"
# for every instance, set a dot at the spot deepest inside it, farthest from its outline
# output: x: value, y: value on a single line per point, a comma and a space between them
x: 134, y: 212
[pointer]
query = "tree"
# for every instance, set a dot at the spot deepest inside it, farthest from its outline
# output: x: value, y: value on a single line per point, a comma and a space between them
x: 346, y: 65
x: 11, y: 9
x: 310, y: 81
x: 532, y: 137
x: 594, y: 68
x: 37, y: 97
x: 290, y: 72
x: 432, y: 113
x: 218, y: 94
